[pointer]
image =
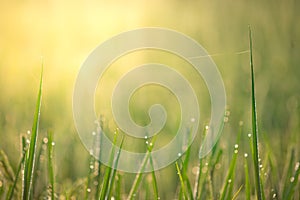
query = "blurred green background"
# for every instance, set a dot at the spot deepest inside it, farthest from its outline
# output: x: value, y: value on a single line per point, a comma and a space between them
x: 65, y: 32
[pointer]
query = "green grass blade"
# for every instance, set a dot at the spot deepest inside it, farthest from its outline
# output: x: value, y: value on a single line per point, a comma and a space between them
x: 154, y: 181
x: 50, y: 164
x: 254, y: 126
x: 247, y: 180
x: 197, y: 181
x: 183, y: 189
x: 5, y: 165
x: 113, y: 175
x: 139, y: 175
x: 31, y: 154
x: 230, y: 173
x: 12, y: 189
x: 237, y: 193
x: 88, y: 182
x: 291, y: 177
x: 108, y: 169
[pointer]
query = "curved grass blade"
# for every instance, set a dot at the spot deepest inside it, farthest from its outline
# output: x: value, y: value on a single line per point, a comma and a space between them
x: 50, y: 163
x: 31, y: 154
x: 254, y: 126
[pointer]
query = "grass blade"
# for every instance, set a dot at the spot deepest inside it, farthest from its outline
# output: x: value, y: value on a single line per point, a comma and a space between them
x: 31, y: 154
x: 12, y: 189
x: 258, y: 183
x: 183, y: 189
x: 229, y: 179
x: 113, y: 175
x: 237, y: 193
x: 5, y: 165
x: 247, y: 180
x: 139, y: 175
x: 50, y: 163
x: 108, y: 169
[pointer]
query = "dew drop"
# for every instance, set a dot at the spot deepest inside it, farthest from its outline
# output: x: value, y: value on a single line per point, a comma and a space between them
x: 93, y: 133
x: 179, y: 154
x: 158, y: 198
x: 274, y: 196
x: 260, y: 166
x: 245, y: 155
x: 45, y: 140
x: 195, y: 170
x: 206, y: 164
x: 292, y: 179
x: 227, y: 112
x: 236, y: 151
x: 112, y: 198
x: 28, y: 132
x: 146, y: 137
x: 206, y: 127
x: 147, y: 142
x: 91, y: 166
x: 249, y: 135
x: 226, y: 119
x: 229, y: 180
x: 27, y: 141
x: 236, y: 146
x: 193, y: 119
x: 297, y: 166
x: 151, y: 144
x: 88, y: 189
x: 218, y: 166
x: 53, y: 143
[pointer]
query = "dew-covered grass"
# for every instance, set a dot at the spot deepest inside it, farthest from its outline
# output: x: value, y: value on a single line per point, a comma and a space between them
x: 257, y: 155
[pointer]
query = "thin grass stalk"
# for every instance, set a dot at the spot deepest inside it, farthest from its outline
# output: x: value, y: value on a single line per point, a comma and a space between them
x: 108, y: 169
x: 258, y: 183
x: 89, y: 177
x: 139, y: 175
x: 12, y: 189
x: 237, y: 193
x: 229, y: 178
x: 50, y: 164
x: 113, y: 175
x: 183, y: 189
x: 31, y: 154
x: 154, y: 181
x: 247, y: 179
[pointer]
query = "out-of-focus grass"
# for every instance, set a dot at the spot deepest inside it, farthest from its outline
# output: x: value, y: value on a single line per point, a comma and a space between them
x: 65, y: 32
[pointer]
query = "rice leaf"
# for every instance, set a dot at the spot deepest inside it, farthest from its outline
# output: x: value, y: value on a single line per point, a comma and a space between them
x: 254, y: 126
x: 31, y: 154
